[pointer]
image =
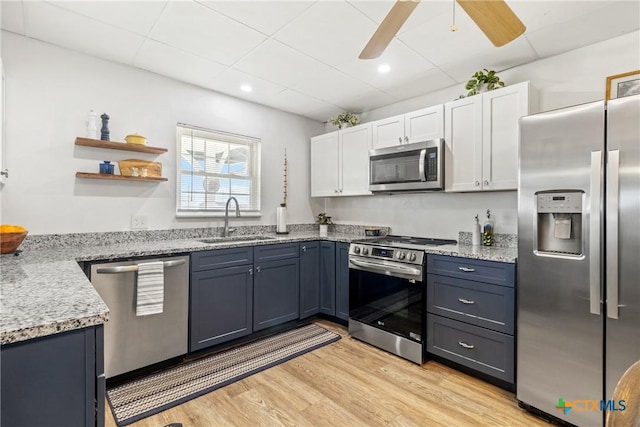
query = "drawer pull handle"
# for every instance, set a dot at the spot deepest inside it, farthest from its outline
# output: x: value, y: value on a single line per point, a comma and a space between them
x: 465, y: 345
x: 467, y: 269
x: 466, y: 301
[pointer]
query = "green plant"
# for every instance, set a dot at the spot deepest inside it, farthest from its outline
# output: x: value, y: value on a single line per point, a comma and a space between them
x: 345, y: 119
x: 323, y: 219
x: 491, y: 79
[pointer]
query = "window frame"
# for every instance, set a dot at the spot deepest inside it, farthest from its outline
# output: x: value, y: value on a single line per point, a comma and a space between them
x: 255, y: 194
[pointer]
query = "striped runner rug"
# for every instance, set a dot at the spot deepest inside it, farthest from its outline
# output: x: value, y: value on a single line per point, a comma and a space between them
x: 143, y: 397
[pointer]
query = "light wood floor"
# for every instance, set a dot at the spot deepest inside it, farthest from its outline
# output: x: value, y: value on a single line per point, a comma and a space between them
x: 349, y: 383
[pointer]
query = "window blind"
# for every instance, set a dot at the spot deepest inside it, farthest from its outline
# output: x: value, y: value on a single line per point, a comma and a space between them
x: 214, y: 166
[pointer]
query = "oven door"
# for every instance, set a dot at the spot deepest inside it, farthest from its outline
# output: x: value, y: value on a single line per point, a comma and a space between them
x: 387, y: 295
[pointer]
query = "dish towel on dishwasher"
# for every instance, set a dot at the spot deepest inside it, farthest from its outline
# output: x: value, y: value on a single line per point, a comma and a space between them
x: 150, y: 292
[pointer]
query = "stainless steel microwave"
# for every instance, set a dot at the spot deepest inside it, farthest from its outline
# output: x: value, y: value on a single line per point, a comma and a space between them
x: 408, y: 167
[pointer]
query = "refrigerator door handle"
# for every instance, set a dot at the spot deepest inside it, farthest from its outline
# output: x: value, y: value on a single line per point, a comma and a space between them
x: 594, y: 232
x: 612, y: 206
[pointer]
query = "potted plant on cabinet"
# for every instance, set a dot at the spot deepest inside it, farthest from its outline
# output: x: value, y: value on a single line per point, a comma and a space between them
x: 480, y: 81
x: 324, y: 222
x: 344, y: 120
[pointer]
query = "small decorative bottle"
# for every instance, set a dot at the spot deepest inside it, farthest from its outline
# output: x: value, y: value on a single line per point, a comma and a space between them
x: 475, y: 234
x: 104, y: 131
x: 92, y: 125
x: 487, y: 230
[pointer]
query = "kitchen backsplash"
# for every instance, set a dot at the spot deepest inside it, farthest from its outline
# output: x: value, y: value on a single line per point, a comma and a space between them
x: 43, y: 241
x: 500, y: 240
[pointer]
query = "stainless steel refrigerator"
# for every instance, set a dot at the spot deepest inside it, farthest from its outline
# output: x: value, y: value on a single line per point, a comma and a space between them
x: 578, y: 256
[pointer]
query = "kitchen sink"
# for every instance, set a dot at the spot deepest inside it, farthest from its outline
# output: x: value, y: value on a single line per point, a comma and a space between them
x: 235, y: 239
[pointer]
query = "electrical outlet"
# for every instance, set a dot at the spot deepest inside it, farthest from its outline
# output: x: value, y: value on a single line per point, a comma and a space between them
x: 139, y: 222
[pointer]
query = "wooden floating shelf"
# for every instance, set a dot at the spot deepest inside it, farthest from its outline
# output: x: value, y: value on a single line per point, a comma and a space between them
x: 88, y: 142
x: 119, y: 177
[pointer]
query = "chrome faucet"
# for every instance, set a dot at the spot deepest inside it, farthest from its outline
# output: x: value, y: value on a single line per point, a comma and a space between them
x: 227, y: 230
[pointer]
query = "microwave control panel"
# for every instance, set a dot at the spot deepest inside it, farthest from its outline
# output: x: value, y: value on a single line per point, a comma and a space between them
x: 431, y: 166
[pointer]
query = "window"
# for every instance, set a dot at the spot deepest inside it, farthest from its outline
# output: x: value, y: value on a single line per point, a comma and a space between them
x: 214, y: 166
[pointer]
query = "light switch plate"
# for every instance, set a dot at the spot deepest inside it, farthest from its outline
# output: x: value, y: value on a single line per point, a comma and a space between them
x: 139, y: 222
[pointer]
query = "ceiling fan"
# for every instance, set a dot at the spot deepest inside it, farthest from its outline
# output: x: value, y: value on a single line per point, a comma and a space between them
x: 494, y: 17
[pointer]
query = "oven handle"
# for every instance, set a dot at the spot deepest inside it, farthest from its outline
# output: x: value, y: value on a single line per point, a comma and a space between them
x: 386, y: 267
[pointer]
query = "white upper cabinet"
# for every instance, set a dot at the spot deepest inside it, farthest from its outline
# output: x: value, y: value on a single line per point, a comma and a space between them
x: 420, y: 125
x: 481, y: 135
x: 340, y: 162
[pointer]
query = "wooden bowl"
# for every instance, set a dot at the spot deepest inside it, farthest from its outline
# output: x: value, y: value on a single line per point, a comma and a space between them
x: 135, y: 139
x: 9, y: 242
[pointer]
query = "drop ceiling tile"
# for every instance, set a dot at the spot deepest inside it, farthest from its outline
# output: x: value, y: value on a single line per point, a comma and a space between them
x: 437, y: 43
x: 369, y: 101
x: 202, y: 31
x: 135, y: 16
x: 304, y: 105
x: 540, y: 14
x: 617, y: 19
x: 332, y: 86
x: 427, y: 82
x: 12, y: 16
x: 510, y: 55
x: 178, y: 64
x: 73, y: 31
x: 403, y: 61
x: 279, y: 63
x: 229, y: 82
x: 426, y: 10
x: 332, y: 32
x: 264, y: 16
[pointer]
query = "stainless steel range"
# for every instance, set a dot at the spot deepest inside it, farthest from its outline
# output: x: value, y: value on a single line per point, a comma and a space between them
x: 387, y: 291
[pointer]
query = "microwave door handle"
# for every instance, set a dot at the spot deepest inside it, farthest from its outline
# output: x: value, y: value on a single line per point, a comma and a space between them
x: 421, y: 171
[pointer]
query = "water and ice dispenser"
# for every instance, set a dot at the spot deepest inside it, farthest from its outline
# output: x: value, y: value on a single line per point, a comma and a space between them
x: 559, y: 223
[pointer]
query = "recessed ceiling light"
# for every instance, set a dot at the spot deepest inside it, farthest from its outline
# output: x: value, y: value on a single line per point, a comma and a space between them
x: 384, y: 68
x: 246, y: 88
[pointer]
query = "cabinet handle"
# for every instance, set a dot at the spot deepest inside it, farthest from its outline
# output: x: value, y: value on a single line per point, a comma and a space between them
x: 400, y: 139
x: 251, y: 272
x: 406, y: 139
x: 465, y: 345
x: 486, y: 182
x: 477, y: 183
x: 335, y: 191
x: 467, y: 269
x: 258, y: 269
x: 304, y: 249
x: 466, y: 301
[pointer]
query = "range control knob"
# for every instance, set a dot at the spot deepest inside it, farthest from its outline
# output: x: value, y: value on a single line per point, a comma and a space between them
x: 402, y: 255
x: 412, y: 256
x: 356, y: 250
x: 365, y: 251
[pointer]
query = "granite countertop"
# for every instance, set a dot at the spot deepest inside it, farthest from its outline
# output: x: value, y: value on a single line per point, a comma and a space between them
x: 44, y: 291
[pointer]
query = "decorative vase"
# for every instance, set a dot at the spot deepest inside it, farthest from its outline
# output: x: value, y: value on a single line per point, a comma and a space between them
x: 323, y: 230
x: 281, y: 220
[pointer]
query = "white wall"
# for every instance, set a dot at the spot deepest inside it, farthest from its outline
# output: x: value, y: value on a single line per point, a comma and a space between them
x: 571, y: 78
x: 49, y: 92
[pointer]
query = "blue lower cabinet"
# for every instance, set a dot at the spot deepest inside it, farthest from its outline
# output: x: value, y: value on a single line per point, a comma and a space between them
x: 275, y: 292
x: 328, y: 278
x: 309, y: 279
x: 221, y: 305
x: 53, y: 381
x: 342, y: 281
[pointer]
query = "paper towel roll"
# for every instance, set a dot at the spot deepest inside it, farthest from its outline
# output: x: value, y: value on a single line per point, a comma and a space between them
x: 281, y: 220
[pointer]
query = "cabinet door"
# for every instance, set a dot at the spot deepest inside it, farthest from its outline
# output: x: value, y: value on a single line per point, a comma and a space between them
x: 328, y: 278
x: 355, y: 144
x: 501, y: 110
x: 275, y: 292
x: 309, y: 279
x: 388, y: 132
x: 342, y: 281
x: 324, y: 165
x: 424, y: 124
x: 463, y: 138
x: 221, y: 305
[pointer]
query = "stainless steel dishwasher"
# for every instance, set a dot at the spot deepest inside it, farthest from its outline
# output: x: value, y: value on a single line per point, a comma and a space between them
x: 130, y: 341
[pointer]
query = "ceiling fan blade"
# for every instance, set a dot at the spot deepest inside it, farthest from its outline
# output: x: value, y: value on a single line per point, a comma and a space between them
x: 495, y: 18
x: 388, y: 28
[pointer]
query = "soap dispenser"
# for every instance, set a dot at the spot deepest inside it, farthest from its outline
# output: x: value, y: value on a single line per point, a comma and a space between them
x: 487, y: 230
x: 475, y: 233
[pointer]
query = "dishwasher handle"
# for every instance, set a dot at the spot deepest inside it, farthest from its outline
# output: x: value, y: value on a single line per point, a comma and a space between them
x: 134, y: 267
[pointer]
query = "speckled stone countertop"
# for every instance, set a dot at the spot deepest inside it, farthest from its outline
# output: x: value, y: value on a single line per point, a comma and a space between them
x: 44, y: 291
